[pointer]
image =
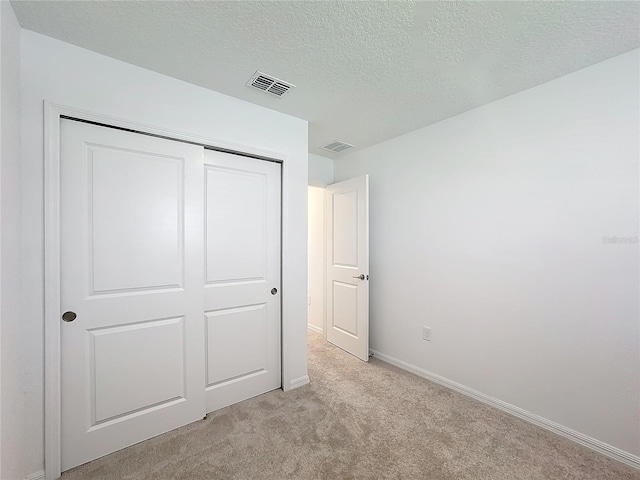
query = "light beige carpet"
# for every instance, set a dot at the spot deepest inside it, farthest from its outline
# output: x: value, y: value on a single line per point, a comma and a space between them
x: 357, y: 421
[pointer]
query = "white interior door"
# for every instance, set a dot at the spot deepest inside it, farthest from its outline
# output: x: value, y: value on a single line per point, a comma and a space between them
x: 132, y: 361
x: 347, y: 214
x: 242, y: 277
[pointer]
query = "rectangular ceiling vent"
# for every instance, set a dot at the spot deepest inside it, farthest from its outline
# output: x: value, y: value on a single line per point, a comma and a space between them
x: 337, y: 146
x: 269, y: 84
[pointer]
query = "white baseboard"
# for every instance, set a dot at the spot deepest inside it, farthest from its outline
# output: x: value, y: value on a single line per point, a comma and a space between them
x: 35, y: 476
x: 314, y: 328
x: 298, y: 382
x: 601, y: 447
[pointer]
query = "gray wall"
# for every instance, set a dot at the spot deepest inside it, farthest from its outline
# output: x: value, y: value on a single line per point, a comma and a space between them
x: 495, y: 228
x: 12, y: 451
x: 320, y: 170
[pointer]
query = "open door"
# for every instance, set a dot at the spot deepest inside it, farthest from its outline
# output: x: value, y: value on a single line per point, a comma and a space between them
x: 347, y: 214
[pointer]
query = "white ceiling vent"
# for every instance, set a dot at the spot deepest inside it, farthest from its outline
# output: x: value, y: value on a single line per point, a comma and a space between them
x: 337, y: 146
x: 269, y: 84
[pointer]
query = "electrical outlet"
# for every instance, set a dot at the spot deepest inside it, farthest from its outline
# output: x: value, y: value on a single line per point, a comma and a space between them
x: 426, y: 333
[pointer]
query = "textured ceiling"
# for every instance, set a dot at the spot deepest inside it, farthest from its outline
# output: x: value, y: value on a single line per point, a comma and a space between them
x: 365, y: 71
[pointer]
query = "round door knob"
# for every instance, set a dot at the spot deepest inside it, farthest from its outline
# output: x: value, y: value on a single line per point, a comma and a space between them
x: 68, y: 316
x: 274, y: 291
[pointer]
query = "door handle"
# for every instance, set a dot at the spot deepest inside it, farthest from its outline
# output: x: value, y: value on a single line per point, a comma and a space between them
x: 361, y: 276
x: 68, y: 316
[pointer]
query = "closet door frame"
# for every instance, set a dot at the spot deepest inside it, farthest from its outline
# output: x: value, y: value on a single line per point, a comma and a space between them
x: 53, y: 114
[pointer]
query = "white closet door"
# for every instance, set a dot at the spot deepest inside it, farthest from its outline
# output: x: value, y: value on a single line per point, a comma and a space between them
x: 133, y: 360
x: 242, y: 277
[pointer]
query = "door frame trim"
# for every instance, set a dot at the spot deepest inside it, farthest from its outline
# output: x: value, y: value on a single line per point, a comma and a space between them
x: 53, y: 115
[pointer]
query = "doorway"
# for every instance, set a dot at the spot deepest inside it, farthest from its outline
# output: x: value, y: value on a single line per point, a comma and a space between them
x: 338, y: 264
x: 316, y: 260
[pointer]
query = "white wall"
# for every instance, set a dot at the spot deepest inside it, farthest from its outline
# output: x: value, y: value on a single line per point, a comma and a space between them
x: 316, y: 267
x: 320, y: 175
x: 320, y: 170
x: 488, y: 227
x: 71, y: 76
x: 12, y: 449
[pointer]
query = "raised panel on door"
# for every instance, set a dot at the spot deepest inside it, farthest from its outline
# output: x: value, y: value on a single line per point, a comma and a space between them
x: 151, y: 375
x: 236, y: 225
x: 242, y: 266
x: 345, y: 308
x: 132, y: 363
x: 226, y: 330
x: 347, y: 214
x: 136, y: 212
x: 344, y: 240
